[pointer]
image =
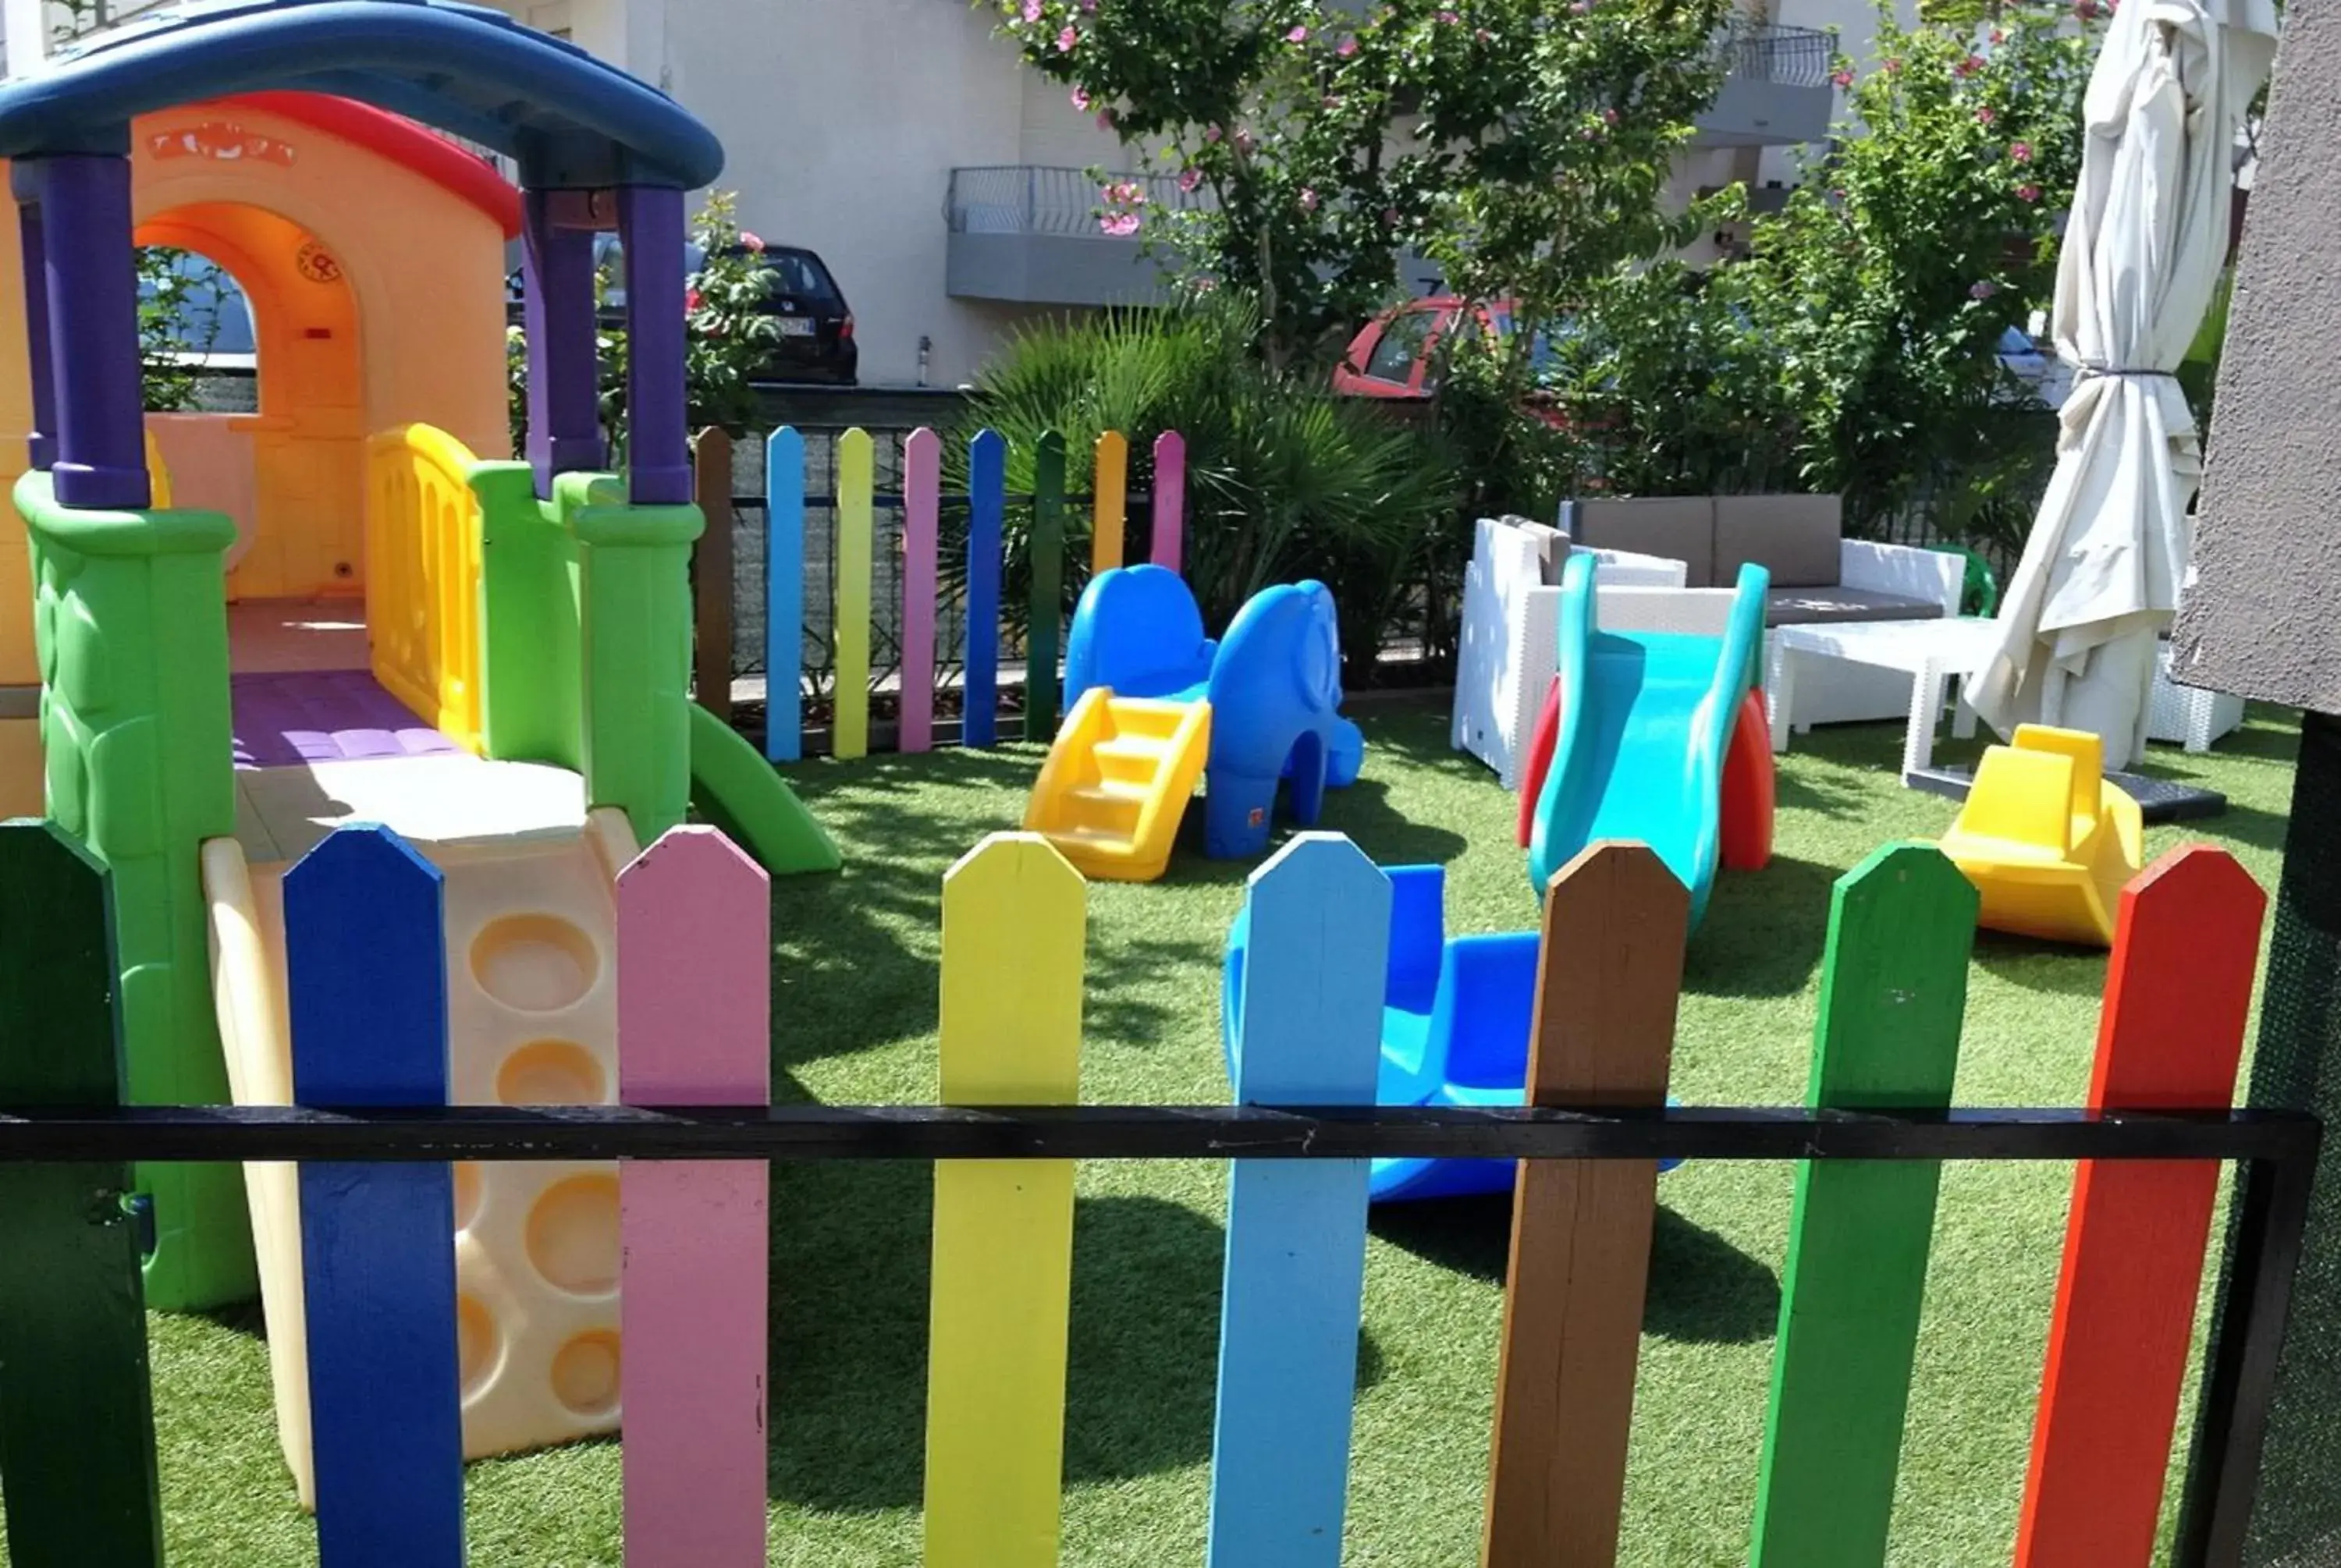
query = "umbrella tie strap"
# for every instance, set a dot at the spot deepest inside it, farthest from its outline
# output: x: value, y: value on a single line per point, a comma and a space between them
x: 2087, y: 369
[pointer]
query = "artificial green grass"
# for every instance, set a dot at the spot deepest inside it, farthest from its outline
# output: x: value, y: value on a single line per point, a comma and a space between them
x: 854, y: 1015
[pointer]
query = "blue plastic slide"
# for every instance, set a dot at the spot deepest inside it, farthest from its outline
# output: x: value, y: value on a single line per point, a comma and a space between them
x: 1645, y: 720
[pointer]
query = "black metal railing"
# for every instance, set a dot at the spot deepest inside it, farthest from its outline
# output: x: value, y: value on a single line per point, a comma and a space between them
x: 1771, y: 52
x: 2276, y: 1149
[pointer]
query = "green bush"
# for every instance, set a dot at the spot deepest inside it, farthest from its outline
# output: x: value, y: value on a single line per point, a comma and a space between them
x: 1285, y: 481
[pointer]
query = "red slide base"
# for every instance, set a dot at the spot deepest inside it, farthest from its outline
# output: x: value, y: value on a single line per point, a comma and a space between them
x: 1747, y: 790
x: 1538, y: 761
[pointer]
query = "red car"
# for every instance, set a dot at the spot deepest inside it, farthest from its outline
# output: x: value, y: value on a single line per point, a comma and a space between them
x: 1393, y: 356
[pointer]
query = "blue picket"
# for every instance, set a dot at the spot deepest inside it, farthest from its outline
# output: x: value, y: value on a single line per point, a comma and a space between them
x: 1307, y: 1032
x: 366, y: 983
x: 987, y: 499
x: 784, y: 485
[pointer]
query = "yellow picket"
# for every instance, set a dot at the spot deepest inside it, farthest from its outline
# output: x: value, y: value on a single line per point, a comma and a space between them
x: 1013, y: 931
x: 850, y: 730
x: 1112, y: 482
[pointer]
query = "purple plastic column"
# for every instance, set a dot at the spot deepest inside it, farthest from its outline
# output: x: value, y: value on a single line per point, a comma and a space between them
x: 91, y: 278
x: 657, y: 443
x: 41, y: 440
x: 565, y: 430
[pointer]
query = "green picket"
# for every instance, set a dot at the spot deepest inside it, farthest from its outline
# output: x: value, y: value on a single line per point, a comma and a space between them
x: 1893, y: 991
x: 1048, y: 556
x: 76, y: 1420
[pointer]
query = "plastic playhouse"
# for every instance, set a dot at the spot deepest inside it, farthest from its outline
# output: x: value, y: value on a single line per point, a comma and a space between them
x: 2047, y: 842
x: 1647, y: 742
x: 248, y: 629
x: 1152, y: 705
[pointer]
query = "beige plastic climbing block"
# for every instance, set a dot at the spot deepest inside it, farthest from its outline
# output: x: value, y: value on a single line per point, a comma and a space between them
x: 531, y: 969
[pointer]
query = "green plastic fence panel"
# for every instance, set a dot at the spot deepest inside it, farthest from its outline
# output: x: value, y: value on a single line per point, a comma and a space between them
x: 1893, y: 991
x: 529, y: 663
x: 76, y: 1425
x: 129, y: 616
x: 1047, y: 555
x: 633, y: 593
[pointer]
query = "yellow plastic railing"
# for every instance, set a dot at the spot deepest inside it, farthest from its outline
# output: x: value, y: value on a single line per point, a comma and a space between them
x: 423, y: 576
x: 158, y: 474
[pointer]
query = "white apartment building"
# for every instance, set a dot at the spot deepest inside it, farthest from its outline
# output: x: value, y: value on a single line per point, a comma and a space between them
x: 945, y: 185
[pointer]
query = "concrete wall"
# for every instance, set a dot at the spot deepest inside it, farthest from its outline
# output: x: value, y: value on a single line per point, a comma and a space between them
x: 2263, y: 616
x: 842, y: 120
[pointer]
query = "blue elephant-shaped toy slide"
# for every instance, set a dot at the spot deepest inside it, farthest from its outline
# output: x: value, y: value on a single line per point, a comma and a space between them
x: 1152, y: 706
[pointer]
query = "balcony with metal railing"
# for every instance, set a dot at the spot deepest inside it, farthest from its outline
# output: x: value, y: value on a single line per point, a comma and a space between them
x: 1776, y: 88
x: 1045, y: 236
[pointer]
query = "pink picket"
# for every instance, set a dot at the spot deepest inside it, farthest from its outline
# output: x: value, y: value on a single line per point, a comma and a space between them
x: 695, y: 1001
x: 1170, y: 499
x: 922, y: 480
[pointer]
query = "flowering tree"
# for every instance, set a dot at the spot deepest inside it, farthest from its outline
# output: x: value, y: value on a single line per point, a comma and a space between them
x: 729, y: 336
x: 1520, y: 144
x: 1888, y: 280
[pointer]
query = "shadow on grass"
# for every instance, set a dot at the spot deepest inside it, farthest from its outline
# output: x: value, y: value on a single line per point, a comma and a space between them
x: 849, y: 1347
x: 1703, y: 1290
x: 1764, y: 932
x: 2052, y: 969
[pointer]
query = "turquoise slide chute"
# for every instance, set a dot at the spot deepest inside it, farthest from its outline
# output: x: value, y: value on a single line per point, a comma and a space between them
x: 1645, y: 721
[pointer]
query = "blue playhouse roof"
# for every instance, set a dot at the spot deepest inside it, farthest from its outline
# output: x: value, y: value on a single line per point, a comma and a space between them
x: 570, y: 120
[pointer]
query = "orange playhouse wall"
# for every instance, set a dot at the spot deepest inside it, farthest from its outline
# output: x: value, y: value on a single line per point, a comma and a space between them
x: 378, y: 295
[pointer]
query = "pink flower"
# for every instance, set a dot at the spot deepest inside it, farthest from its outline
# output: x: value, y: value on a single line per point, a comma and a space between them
x: 1332, y: 100
x: 1298, y: 36
x: 752, y: 243
x: 691, y: 299
x: 2020, y: 152
x: 1968, y: 66
x: 1190, y: 178
x: 1066, y: 39
x: 1211, y: 133
x: 1998, y: 37
x: 1244, y: 142
x: 1031, y: 11
x: 1089, y: 5
x: 1838, y: 195
x: 1483, y: 35
x: 1307, y: 200
x: 1841, y: 78
x: 2028, y: 193
x: 2086, y: 10
x: 1894, y: 67
x: 1982, y: 288
x: 1985, y: 116
x: 1105, y: 120
x: 1082, y: 99
x: 1119, y: 225
x: 1390, y: 217
x: 1609, y: 116
x: 1448, y: 18
x: 1581, y: 7
x: 1346, y: 47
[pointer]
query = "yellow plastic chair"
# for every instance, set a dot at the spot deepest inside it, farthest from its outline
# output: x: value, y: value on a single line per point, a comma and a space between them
x: 2047, y: 842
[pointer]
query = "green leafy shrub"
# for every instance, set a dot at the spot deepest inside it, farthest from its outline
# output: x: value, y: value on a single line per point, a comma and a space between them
x: 1285, y: 481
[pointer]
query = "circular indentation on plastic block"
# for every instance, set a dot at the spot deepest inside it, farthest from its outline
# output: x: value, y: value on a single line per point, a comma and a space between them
x: 585, y: 1375
x: 479, y: 1344
x: 573, y: 1234
x: 467, y: 1193
x: 535, y: 963
x: 550, y: 1073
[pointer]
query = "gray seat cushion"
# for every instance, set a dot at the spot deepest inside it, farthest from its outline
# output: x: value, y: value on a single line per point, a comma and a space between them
x: 1814, y: 605
x: 1793, y: 536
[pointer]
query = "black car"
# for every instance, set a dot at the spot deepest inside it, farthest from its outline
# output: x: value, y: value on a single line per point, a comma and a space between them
x: 816, y: 325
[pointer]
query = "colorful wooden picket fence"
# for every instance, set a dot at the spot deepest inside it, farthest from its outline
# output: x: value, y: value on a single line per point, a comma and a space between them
x: 75, y: 1428
x: 921, y: 504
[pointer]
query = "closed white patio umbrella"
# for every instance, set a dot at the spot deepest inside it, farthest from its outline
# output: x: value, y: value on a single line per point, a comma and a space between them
x: 2142, y: 254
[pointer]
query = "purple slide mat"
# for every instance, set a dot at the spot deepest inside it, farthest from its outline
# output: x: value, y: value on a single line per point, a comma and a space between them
x: 284, y: 720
